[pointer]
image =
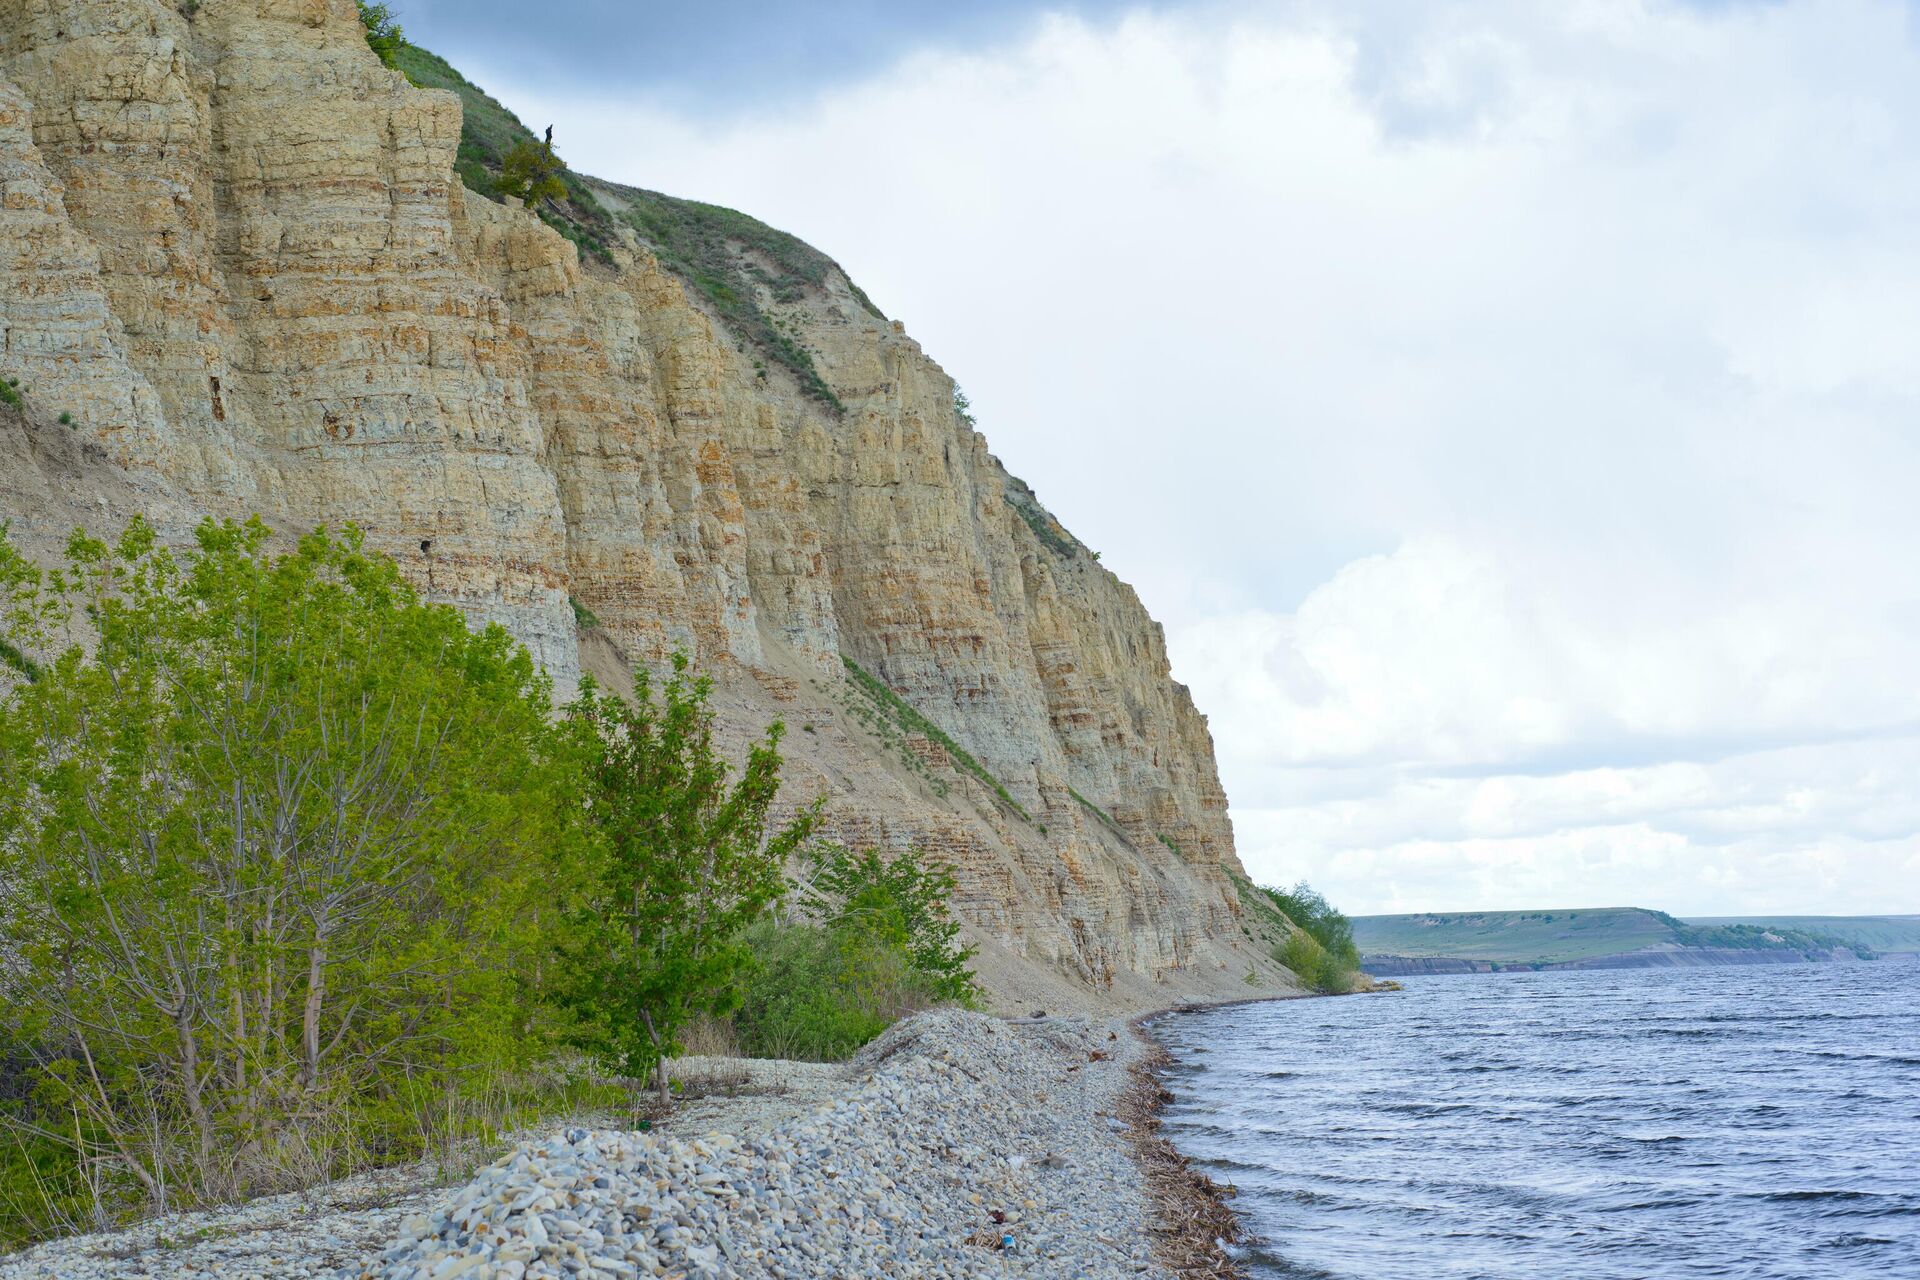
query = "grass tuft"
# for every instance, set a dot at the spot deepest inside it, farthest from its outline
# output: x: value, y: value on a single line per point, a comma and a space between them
x: 914, y: 722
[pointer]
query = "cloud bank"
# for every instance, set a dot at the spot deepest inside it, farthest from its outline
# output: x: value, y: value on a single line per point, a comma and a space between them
x: 1513, y: 410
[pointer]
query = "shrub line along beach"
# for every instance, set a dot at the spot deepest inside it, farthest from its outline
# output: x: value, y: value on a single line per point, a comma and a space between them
x: 955, y: 1145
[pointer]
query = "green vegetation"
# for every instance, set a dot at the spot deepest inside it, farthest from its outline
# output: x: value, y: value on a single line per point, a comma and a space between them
x: 1513, y: 936
x: 1747, y: 937
x: 583, y: 617
x: 1557, y: 937
x: 884, y: 946
x: 745, y: 269
x: 679, y: 865
x: 10, y: 392
x: 531, y: 174
x: 900, y: 898
x: 1052, y: 534
x: 490, y: 135
x: 912, y: 721
x: 1896, y: 934
x: 1263, y: 913
x: 1094, y: 809
x: 1321, y: 949
x: 1167, y: 840
x: 271, y: 859
x: 384, y: 36
x: 21, y: 665
x: 963, y: 407
x: 299, y: 875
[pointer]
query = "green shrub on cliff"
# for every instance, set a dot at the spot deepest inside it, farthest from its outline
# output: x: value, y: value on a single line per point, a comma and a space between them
x: 384, y: 36
x: 531, y: 172
x: 1321, y: 951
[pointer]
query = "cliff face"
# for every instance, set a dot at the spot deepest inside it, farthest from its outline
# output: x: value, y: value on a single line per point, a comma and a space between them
x: 234, y: 251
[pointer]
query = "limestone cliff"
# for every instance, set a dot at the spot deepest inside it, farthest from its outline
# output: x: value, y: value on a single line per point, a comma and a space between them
x: 235, y: 253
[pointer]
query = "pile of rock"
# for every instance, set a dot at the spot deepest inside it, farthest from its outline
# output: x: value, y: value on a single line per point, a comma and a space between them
x: 973, y: 1147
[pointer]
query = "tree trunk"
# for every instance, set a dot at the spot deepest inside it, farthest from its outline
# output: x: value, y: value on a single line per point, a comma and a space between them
x: 310, y: 1017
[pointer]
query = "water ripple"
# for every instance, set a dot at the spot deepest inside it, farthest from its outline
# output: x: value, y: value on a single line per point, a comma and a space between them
x: 1744, y: 1122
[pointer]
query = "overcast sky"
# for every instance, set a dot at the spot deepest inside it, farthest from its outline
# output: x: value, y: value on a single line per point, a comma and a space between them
x: 1511, y: 409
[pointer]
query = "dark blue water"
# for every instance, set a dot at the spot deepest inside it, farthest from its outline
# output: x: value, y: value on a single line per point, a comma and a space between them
x: 1750, y: 1122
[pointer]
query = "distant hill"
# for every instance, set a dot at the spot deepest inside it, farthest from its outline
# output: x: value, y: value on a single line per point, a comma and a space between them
x: 1614, y: 937
x: 1512, y: 936
x: 1882, y: 933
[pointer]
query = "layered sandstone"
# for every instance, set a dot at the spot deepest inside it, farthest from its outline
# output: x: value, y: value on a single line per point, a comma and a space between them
x: 236, y: 255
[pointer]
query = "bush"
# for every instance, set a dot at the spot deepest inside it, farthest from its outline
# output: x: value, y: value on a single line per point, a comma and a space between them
x: 1322, y: 950
x: 903, y: 899
x: 680, y: 864
x: 1313, y: 964
x: 884, y: 946
x: 817, y: 994
x: 532, y: 172
x: 268, y: 861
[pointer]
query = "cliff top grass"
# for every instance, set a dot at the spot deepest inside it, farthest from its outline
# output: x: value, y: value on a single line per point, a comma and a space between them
x: 730, y: 259
x: 1052, y: 534
x: 727, y: 257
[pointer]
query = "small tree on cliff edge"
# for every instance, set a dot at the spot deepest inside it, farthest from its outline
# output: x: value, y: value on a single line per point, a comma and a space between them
x: 531, y: 172
x: 682, y: 863
x: 383, y: 32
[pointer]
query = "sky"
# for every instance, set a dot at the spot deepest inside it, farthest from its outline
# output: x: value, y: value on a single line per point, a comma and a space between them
x: 1511, y: 410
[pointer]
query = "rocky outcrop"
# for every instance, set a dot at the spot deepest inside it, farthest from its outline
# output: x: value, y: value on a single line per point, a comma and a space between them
x: 239, y: 261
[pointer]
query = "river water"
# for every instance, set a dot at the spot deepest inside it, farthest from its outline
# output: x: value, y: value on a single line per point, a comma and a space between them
x: 1748, y: 1122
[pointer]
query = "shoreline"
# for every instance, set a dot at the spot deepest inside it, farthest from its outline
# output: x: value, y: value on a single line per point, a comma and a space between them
x: 950, y: 1135
x: 956, y: 1145
x: 1200, y: 1222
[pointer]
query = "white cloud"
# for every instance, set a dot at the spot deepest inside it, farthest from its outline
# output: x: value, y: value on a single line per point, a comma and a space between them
x: 1511, y: 408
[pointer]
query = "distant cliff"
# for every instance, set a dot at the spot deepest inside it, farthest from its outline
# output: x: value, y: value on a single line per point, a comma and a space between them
x: 1657, y: 958
x: 241, y: 269
x: 1590, y: 938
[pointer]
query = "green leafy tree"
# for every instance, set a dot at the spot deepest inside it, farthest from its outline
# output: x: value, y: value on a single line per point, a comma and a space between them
x: 904, y: 899
x: 684, y: 860
x: 384, y: 36
x: 878, y: 944
x: 274, y: 852
x: 532, y: 172
x: 1322, y: 952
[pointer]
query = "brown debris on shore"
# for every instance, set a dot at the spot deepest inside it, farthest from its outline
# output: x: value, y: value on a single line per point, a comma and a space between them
x: 1195, y: 1221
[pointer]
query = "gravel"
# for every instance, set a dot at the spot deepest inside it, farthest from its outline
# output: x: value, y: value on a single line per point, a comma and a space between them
x: 956, y: 1145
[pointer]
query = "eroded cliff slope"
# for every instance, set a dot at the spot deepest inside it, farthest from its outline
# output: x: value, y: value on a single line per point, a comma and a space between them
x: 236, y: 254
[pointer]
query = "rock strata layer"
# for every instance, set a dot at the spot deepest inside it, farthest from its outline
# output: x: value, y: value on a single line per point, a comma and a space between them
x: 235, y: 258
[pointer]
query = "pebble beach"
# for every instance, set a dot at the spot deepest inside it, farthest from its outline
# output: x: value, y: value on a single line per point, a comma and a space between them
x: 956, y: 1145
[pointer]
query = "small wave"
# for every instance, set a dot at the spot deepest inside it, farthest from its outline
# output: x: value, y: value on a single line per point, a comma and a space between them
x: 1791, y: 1197
x: 1425, y: 1108
x: 1575, y: 1127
